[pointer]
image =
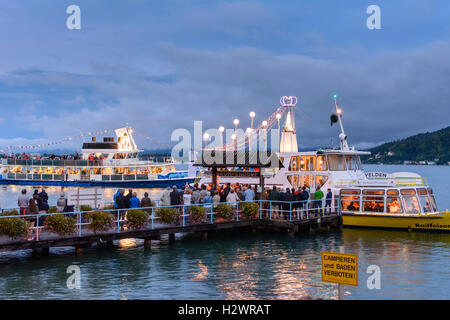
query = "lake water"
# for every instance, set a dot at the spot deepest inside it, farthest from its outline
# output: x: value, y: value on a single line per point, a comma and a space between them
x: 236, y: 265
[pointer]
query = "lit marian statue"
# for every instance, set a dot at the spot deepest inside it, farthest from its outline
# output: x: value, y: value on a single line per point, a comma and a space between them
x: 288, y: 141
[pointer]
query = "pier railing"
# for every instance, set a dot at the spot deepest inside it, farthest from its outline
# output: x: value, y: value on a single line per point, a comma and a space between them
x: 266, y: 210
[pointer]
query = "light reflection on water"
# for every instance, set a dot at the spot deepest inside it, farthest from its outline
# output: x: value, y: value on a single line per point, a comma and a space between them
x: 233, y: 265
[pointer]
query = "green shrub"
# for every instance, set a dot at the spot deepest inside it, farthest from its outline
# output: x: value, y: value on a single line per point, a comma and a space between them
x: 60, y: 224
x: 137, y: 218
x: 225, y: 211
x: 99, y: 221
x: 53, y: 210
x: 196, y: 213
x: 109, y: 207
x: 13, y: 227
x: 168, y: 215
x: 249, y: 209
x: 84, y: 208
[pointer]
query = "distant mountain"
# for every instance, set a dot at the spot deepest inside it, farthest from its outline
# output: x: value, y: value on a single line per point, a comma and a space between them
x: 424, y: 148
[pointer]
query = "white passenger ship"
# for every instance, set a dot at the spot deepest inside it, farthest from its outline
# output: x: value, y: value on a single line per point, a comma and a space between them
x: 113, y: 162
x: 325, y: 169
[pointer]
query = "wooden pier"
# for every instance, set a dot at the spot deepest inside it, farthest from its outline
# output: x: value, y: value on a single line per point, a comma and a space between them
x: 47, y: 240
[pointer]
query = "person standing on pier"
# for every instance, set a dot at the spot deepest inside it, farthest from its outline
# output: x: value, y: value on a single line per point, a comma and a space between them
x: 328, y: 199
x: 146, y: 202
x: 274, y: 195
x: 134, y: 201
x: 43, y: 195
x: 23, y: 202
x: 175, y: 197
x: 318, y: 195
x: 249, y: 194
x: 165, y: 198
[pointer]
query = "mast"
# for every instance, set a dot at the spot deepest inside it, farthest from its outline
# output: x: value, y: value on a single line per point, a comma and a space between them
x: 342, y: 135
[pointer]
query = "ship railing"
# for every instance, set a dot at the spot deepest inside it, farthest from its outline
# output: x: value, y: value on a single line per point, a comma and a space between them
x: 51, y: 163
x: 398, y: 182
x: 211, y: 213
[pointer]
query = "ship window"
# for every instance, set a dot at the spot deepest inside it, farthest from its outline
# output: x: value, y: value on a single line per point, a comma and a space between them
x: 350, y: 203
x: 393, y: 192
x: 408, y: 191
x: 433, y: 203
x: 374, y: 192
x: 320, y: 181
x: 393, y: 205
x: 336, y: 162
x: 352, y: 162
x: 307, y: 163
x: 294, y: 164
x: 422, y: 191
x: 411, y: 204
x: 430, y: 191
x: 425, y: 203
x: 347, y: 191
x: 373, y: 203
x: 306, y: 180
x: 321, y: 163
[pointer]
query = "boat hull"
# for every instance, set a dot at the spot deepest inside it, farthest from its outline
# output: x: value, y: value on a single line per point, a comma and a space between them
x: 160, y: 183
x: 435, y: 222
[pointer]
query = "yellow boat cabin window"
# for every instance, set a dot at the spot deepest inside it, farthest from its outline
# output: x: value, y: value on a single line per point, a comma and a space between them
x: 347, y: 191
x: 393, y: 192
x: 393, y: 205
x: 350, y: 202
x: 408, y: 192
x: 421, y: 191
x: 373, y: 204
x: 411, y: 204
x: 430, y: 191
x: 374, y: 192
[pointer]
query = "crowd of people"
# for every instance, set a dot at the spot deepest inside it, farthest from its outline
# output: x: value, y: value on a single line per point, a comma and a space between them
x: 282, y: 201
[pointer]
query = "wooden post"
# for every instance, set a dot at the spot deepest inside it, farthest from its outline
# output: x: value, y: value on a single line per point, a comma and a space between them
x: 261, y: 182
x: 171, y: 238
x: 147, y: 243
x: 214, y: 181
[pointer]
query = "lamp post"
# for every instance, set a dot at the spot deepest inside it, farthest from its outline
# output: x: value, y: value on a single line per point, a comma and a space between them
x: 252, y: 115
x: 264, y: 123
x: 205, y: 138
x: 221, y: 130
x: 278, y: 116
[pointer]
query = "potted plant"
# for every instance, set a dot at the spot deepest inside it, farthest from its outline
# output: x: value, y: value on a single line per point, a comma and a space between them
x: 249, y: 210
x: 196, y: 213
x: 99, y: 221
x: 224, y: 212
x: 13, y: 227
x: 168, y: 215
x: 136, y: 218
x: 60, y: 224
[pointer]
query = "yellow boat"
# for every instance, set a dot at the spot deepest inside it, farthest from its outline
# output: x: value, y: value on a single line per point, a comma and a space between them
x: 411, y: 207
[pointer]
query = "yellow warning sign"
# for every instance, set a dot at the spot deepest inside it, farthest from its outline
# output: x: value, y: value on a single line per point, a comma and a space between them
x: 340, y: 268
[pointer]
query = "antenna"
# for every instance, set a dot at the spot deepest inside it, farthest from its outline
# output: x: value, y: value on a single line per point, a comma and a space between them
x: 342, y: 135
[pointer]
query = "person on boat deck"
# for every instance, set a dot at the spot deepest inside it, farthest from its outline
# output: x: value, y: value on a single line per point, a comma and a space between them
x: 134, y: 201
x: 165, y: 198
x: 351, y: 207
x: 146, y: 202
x: 328, y: 200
